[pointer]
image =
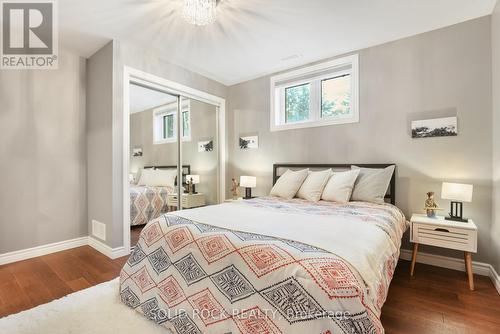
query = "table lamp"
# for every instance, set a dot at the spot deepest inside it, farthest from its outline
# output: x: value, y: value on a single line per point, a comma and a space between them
x: 248, y: 182
x: 191, y: 181
x: 457, y: 193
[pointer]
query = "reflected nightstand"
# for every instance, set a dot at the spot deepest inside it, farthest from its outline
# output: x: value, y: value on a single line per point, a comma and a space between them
x: 188, y: 201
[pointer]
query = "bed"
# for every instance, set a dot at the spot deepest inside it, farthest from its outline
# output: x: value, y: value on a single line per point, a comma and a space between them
x: 267, y: 265
x: 149, y: 202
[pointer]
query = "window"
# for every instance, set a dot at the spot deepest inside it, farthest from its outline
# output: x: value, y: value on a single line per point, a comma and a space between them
x: 186, y: 125
x: 165, y: 123
x: 336, y: 96
x: 318, y: 95
x: 168, y: 126
x: 297, y: 101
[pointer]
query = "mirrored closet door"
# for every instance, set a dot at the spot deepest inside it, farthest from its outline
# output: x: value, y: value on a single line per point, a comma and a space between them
x: 200, y: 151
x: 154, y: 156
x: 174, y: 154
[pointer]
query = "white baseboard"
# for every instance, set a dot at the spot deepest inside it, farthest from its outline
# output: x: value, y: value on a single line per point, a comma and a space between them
x: 495, y: 278
x: 478, y: 268
x: 29, y: 253
x: 112, y: 253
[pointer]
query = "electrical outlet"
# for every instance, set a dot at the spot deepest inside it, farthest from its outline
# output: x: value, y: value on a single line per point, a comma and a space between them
x: 99, y: 229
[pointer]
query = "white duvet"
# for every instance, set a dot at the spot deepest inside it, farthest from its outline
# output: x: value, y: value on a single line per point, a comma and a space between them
x: 364, y: 245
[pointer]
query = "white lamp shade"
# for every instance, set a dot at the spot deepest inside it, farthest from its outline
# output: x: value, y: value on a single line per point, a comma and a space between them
x: 193, y: 178
x: 457, y: 192
x: 248, y: 181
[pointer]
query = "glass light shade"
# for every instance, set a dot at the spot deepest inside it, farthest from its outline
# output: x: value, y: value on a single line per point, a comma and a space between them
x: 199, y: 12
x: 195, y: 178
x: 248, y: 181
x: 457, y: 192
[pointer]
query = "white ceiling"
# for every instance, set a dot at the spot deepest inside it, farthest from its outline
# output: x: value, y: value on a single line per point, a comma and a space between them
x: 144, y: 98
x: 252, y: 38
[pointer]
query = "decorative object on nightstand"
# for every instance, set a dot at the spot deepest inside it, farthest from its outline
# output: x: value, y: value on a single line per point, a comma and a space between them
x: 191, y: 180
x: 234, y: 188
x: 188, y: 201
x: 457, y: 193
x: 248, y: 182
x: 430, y: 206
x: 444, y: 233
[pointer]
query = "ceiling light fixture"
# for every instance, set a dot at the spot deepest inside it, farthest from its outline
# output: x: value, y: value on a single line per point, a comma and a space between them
x: 199, y: 12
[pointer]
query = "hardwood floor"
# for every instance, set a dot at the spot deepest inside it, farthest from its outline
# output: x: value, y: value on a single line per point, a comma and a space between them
x: 36, y: 281
x: 435, y: 300
x: 438, y: 300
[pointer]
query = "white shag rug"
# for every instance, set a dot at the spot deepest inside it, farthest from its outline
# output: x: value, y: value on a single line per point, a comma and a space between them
x: 96, y: 310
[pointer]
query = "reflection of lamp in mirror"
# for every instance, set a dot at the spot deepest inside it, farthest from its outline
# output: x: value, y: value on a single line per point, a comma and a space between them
x: 457, y: 193
x: 248, y: 182
x: 191, y: 180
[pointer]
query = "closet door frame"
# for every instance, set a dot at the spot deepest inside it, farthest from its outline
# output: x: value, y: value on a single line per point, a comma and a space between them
x: 132, y: 75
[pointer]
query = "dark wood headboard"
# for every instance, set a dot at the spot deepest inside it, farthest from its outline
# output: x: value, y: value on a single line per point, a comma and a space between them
x: 186, y: 170
x: 391, y: 192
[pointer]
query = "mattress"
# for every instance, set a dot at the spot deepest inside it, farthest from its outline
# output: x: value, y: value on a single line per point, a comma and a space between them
x: 266, y: 265
x: 147, y: 203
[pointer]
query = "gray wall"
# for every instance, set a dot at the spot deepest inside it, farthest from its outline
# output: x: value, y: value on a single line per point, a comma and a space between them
x: 109, y: 205
x: 42, y: 169
x: 440, y: 73
x: 99, y: 137
x: 495, y: 229
x: 203, y: 127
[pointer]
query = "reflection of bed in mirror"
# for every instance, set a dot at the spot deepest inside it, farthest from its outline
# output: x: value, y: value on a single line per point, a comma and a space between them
x: 148, y: 200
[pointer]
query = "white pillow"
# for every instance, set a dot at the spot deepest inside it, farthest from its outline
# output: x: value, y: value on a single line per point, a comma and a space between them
x: 138, y: 177
x: 372, y: 184
x: 289, y: 183
x: 339, y: 186
x: 158, y: 178
x: 313, y: 185
x: 144, y: 176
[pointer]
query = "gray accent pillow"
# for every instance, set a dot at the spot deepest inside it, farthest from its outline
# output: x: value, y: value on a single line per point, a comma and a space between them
x: 371, y: 184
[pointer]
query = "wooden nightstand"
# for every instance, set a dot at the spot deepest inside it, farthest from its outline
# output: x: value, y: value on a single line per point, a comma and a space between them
x: 447, y: 234
x: 188, y: 201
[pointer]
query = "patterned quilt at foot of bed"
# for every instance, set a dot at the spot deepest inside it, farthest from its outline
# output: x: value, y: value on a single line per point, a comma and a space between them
x: 196, y: 278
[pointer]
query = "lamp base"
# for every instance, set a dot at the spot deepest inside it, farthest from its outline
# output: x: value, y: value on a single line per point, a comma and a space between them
x: 456, y: 210
x: 248, y: 193
x: 457, y: 219
x: 191, y: 189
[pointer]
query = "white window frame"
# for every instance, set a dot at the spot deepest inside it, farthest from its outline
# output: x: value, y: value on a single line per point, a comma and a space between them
x: 170, y: 109
x: 332, y: 68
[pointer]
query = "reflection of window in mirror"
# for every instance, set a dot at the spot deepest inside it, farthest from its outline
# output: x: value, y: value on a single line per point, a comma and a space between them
x: 165, y: 123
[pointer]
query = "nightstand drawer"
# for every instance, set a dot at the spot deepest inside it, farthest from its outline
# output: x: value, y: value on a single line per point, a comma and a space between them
x: 187, y: 200
x: 444, y: 236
